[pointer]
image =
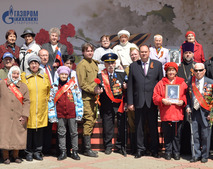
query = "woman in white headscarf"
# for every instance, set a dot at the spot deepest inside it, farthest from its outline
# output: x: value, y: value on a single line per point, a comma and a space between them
x: 14, y: 110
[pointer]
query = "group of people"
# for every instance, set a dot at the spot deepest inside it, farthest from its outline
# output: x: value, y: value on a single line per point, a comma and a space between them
x: 39, y: 88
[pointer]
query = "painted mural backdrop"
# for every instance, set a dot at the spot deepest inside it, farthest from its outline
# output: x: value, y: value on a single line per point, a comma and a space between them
x: 87, y: 20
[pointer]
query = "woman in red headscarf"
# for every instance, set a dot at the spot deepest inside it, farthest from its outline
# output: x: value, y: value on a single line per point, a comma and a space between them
x: 171, y: 107
x: 198, y: 48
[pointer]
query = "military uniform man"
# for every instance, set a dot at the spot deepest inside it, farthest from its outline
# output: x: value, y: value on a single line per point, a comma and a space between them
x: 87, y: 71
x: 112, y: 103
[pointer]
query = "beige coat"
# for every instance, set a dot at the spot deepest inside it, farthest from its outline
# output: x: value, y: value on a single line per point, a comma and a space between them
x: 13, y: 134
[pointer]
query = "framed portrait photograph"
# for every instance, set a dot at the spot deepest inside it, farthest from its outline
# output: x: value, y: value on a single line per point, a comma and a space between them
x: 175, y: 54
x: 173, y: 93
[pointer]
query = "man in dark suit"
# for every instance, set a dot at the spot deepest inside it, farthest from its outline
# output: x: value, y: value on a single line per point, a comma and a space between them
x: 53, y: 46
x: 144, y: 74
x: 200, y: 87
x: 112, y: 103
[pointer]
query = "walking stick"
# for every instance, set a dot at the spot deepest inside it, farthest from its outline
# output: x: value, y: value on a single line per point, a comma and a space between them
x: 192, y: 138
x: 125, y: 130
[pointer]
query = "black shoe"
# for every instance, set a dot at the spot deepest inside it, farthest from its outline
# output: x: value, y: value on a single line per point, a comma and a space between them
x: 204, y: 160
x: 29, y: 157
x: 155, y: 155
x: 194, y: 159
x: 139, y: 154
x: 121, y: 151
x: 90, y: 153
x: 62, y: 156
x: 38, y: 156
x: 108, y: 151
x: 176, y: 156
x: 75, y: 155
x: 168, y: 156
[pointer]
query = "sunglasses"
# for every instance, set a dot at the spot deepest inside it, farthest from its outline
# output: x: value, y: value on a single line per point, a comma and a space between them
x: 198, y: 70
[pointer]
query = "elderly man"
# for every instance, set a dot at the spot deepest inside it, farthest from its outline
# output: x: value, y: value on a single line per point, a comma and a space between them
x: 143, y: 76
x: 8, y: 61
x: 158, y: 52
x: 47, y: 133
x: 87, y: 71
x: 39, y: 88
x: 48, y: 69
x: 54, y: 46
x: 122, y: 50
x: 112, y: 103
x: 199, y: 89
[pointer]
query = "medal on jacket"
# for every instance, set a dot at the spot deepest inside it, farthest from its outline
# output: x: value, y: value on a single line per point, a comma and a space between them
x: 116, y: 88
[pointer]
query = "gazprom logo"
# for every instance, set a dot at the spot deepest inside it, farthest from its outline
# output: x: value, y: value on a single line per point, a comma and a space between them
x: 20, y: 16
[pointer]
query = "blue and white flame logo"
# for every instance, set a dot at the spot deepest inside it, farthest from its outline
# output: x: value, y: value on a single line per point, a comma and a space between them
x: 7, y: 16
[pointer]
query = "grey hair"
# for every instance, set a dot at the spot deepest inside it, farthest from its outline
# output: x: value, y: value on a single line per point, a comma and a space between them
x: 158, y: 35
x: 199, y: 64
x: 55, y: 30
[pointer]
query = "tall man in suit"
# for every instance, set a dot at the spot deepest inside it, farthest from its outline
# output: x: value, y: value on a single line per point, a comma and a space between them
x: 53, y: 46
x: 144, y: 74
x: 199, y: 87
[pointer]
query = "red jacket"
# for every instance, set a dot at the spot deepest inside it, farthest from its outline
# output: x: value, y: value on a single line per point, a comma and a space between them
x: 172, y: 112
x: 198, y: 53
x: 65, y: 105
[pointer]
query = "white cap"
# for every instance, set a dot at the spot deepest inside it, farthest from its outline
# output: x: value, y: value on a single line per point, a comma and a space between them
x: 123, y: 32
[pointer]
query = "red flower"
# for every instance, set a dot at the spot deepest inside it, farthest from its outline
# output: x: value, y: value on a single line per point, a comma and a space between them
x: 97, y: 81
x: 67, y: 31
x: 42, y: 37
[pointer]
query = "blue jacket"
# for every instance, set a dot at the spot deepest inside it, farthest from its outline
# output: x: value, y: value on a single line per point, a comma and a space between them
x: 77, y: 97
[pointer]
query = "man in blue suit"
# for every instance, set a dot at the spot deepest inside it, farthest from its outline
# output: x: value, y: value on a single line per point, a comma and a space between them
x: 199, y: 88
x: 144, y: 74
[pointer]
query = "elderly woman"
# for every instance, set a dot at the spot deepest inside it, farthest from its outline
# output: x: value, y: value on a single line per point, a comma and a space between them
x: 15, y: 106
x: 123, y: 49
x: 39, y: 87
x: 29, y: 48
x: 66, y: 101
x: 198, y: 48
x: 171, y: 111
x: 10, y: 46
x: 54, y: 46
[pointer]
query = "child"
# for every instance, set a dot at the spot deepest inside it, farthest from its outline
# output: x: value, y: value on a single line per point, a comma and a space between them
x: 69, y: 61
x: 66, y: 100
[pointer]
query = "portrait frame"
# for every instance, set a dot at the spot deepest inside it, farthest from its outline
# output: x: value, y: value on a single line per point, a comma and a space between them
x: 175, y: 54
x: 173, y: 93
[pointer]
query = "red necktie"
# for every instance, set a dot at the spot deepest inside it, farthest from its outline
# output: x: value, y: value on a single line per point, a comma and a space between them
x: 47, y: 72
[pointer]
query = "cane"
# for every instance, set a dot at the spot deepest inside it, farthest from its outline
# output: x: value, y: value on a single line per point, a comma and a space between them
x: 125, y: 130
x: 192, y: 138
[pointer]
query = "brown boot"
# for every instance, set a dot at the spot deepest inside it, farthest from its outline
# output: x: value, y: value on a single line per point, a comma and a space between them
x: 16, y: 156
x: 6, y: 156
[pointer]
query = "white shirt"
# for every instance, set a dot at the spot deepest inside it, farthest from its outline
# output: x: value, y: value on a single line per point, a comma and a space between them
x: 123, y: 52
x: 99, y: 52
x: 54, y: 47
x: 201, y: 81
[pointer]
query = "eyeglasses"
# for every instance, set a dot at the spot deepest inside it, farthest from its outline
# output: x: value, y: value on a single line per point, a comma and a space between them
x: 198, y: 70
